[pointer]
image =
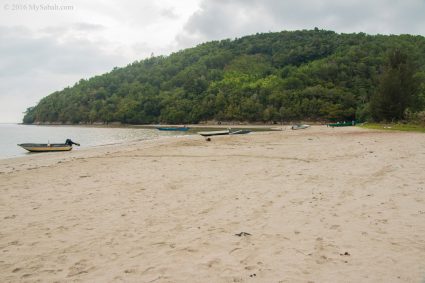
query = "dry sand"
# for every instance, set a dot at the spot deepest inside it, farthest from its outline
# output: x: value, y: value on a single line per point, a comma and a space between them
x: 320, y: 205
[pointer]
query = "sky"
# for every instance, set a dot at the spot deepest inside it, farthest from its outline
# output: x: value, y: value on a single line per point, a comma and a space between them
x: 47, y: 45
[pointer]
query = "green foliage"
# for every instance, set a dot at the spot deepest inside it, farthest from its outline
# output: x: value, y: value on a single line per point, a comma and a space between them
x: 398, y: 88
x: 395, y: 127
x: 314, y: 75
x: 29, y: 116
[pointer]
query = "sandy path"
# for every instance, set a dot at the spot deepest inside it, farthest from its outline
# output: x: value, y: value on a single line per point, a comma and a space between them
x: 321, y: 205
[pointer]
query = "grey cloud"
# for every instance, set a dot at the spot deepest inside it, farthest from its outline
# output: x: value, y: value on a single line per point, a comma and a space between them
x: 22, y: 54
x: 32, y: 67
x: 218, y: 19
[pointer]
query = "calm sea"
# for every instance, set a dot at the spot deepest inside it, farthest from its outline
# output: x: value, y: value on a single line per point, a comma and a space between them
x: 13, y: 134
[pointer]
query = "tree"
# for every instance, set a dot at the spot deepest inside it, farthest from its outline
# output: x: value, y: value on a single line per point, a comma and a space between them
x: 397, y: 89
x: 29, y: 115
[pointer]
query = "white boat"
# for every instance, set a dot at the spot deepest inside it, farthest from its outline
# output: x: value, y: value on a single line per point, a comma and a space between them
x: 214, y: 133
x: 300, y: 126
x: 240, y: 132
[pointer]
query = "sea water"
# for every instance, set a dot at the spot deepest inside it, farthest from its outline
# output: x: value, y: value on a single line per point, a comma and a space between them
x: 13, y: 134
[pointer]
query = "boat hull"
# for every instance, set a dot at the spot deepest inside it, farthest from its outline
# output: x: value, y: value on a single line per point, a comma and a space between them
x: 344, y: 124
x: 180, y: 129
x: 240, y: 132
x: 45, y: 147
x: 214, y: 133
x: 300, y: 127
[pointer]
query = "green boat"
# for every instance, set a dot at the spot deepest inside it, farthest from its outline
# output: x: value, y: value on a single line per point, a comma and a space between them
x: 343, y: 124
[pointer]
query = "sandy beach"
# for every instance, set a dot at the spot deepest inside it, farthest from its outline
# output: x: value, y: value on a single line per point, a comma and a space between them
x: 315, y: 205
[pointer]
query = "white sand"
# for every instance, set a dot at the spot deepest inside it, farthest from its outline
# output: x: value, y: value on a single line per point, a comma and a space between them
x: 321, y: 205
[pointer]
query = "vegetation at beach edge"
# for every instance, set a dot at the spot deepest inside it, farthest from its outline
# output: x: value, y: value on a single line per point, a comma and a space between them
x: 314, y: 75
x: 395, y: 127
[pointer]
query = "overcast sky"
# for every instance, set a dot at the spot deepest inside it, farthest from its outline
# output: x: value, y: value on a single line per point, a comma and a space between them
x: 48, y: 45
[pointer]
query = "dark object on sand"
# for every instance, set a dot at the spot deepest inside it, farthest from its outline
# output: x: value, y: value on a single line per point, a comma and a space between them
x: 242, y: 234
x: 208, y: 139
x: 46, y: 147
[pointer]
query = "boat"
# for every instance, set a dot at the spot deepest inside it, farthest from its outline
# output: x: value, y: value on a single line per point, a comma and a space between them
x: 214, y: 133
x: 224, y: 132
x: 300, y: 126
x: 48, y: 147
x: 342, y: 124
x: 182, y: 129
x: 240, y: 132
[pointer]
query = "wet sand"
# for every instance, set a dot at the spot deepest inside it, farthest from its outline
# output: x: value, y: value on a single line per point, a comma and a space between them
x: 315, y: 205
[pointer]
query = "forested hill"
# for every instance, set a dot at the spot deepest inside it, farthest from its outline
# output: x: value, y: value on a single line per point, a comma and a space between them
x: 309, y: 75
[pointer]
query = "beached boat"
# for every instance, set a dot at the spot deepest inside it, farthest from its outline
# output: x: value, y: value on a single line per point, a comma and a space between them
x: 182, y: 129
x: 240, y: 132
x: 300, y: 127
x: 224, y: 132
x: 48, y: 147
x: 342, y: 124
x: 214, y: 133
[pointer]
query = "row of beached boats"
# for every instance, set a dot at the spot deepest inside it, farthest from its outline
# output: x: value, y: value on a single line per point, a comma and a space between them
x: 67, y: 146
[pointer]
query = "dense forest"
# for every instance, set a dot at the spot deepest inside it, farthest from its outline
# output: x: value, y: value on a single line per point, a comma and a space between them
x: 314, y: 75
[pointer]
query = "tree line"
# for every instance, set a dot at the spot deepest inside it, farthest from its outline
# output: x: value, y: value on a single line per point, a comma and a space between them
x: 313, y: 75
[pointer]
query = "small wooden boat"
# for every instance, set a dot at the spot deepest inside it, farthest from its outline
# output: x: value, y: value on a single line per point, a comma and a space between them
x: 182, y: 129
x: 214, y: 133
x: 300, y: 127
x: 48, y: 147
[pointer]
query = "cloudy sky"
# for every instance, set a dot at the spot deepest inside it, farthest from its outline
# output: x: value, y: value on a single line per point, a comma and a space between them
x: 46, y: 45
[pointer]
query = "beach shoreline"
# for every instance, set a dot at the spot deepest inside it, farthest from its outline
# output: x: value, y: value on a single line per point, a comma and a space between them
x: 314, y: 205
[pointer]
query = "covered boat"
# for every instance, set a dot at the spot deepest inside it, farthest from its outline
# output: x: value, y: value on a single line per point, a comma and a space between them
x: 47, y: 147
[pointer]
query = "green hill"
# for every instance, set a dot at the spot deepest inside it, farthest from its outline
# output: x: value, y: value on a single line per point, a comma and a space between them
x: 310, y: 75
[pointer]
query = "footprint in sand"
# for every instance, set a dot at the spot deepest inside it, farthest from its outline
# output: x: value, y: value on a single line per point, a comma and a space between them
x: 213, y: 262
x: 10, y: 217
x: 319, y: 251
x: 78, y: 268
x: 334, y: 227
x: 130, y: 270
